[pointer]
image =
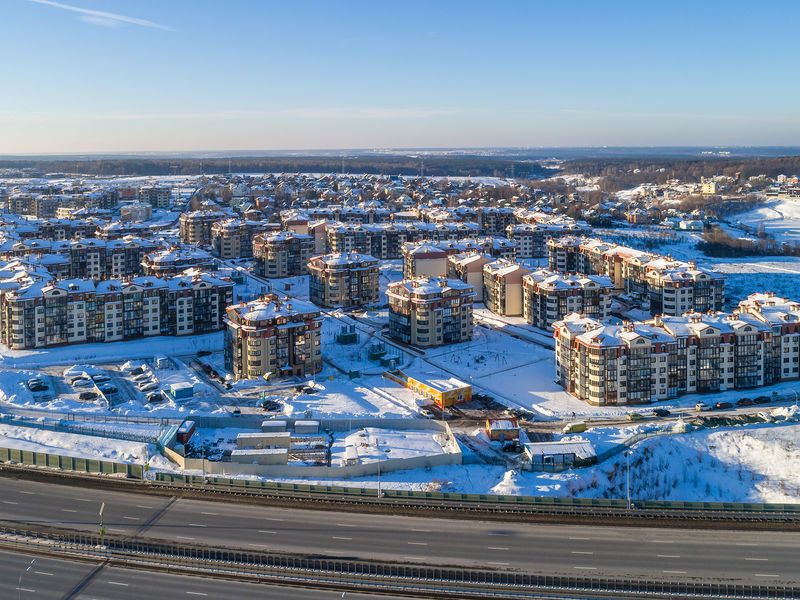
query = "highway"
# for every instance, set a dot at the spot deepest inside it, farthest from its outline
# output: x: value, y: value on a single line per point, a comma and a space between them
x: 51, y: 579
x: 709, y: 555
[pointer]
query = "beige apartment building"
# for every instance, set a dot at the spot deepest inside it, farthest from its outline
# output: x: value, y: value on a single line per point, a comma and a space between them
x: 233, y: 238
x: 430, y: 311
x: 468, y: 267
x: 424, y: 260
x: 273, y: 337
x: 195, y: 226
x: 344, y: 280
x: 502, y: 287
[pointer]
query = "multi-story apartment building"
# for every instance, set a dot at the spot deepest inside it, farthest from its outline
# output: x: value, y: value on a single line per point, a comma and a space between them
x: 424, y: 260
x: 233, y: 238
x: 549, y: 297
x: 155, y: 196
x: 135, y: 212
x: 783, y: 317
x: 531, y: 238
x: 344, y: 280
x: 39, y: 313
x: 430, y: 312
x: 638, y: 363
x: 468, y: 267
x: 271, y: 337
x: 662, y: 285
x: 495, y: 220
x: 171, y: 261
x: 195, y: 226
x: 502, y: 287
x: 282, y: 254
x: 85, y: 258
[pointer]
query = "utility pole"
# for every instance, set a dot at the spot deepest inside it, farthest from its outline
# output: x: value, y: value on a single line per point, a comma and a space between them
x: 102, y: 529
x: 628, y: 478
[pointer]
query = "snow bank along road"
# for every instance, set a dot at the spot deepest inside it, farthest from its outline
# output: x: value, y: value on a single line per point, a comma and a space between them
x: 57, y: 579
x: 751, y: 557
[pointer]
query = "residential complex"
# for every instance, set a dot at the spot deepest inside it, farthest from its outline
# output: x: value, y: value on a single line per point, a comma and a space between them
x: 430, y: 311
x: 195, y: 226
x: 172, y: 261
x: 668, y: 356
x: 468, y: 267
x: 233, y: 238
x: 271, y: 337
x: 344, y: 280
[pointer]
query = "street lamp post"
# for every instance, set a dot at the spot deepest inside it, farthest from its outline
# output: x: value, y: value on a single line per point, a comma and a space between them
x: 628, y: 478
x: 21, y: 575
x: 102, y: 529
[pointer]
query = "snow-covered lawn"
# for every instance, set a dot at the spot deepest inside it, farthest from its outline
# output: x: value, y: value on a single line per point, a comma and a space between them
x: 780, y: 217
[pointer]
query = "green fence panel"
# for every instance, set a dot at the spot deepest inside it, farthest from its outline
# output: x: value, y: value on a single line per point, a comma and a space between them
x: 53, y: 460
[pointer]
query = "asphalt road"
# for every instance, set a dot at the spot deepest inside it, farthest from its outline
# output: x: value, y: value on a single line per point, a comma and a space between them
x: 66, y: 580
x: 732, y: 556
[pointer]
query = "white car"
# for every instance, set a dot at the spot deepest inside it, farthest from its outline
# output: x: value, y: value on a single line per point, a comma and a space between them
x: 148, y: 387
x: 82, y: 383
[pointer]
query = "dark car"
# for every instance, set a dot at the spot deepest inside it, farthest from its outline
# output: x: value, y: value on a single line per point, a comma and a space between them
x: 762, y: 400
x: 37, y: 387
x: 512, y: 447
x: 204, y: 353
x: 136, y: 371
x: 108, y: 389
x: 87, y: 395
x: 661, y: 412
x: 155, y: 397
x: 722, y: 405
x: 744, y: 402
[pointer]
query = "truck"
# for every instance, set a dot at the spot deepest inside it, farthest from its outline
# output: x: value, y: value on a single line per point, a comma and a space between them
x: 185, y: 431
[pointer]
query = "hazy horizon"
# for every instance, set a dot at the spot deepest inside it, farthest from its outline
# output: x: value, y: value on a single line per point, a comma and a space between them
x: 147, y: 76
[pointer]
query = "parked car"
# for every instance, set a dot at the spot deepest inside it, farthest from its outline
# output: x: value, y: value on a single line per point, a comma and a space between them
x: 701, y: 406
x: 514, y: 446
x: 577, y: 427
x: 634, y: 416
x: 79, y: 383
x: 100, y: 378
x: 36, y: 381
x: 722, y: 405
x: 148, y: 387
x: 37, y: 387
x: 762, y: 400
x: 204, y: 353
x: 108, y: 389
x: 88, y: 395
x: 661, y: 412
x: 744, y: 402
x: 154, y: 397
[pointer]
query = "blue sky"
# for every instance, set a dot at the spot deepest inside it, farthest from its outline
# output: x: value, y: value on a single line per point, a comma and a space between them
x: 132, y: 75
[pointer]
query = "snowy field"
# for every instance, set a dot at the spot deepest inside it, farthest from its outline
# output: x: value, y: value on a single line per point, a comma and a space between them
x: 780, y: 217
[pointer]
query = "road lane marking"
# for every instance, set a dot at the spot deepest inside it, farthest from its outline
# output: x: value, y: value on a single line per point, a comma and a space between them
x: 28, y: 493
x: 68, y: 510
x: 131, y: 518
x: 143, y: 506
x: 116, y: 530
x: 19, y: 589
x: 746, y: 544
x: 415, y: 557
x: 196, y: 525
x: 265, y: 531
x: 497, y: 548
x: 9, y: 502
x: 117, y: 583
x: 583, y: 539
x: 210, y: 514
x: 258, y: 545
x: 184, y: 537
x: 667, y: 556
x: 662, y: 541
x: 675, y: 572
x: 506, y: 534
x: 586, y: 568
x: 417, y: 543
x: 273, y: 519
x: 345, y: 525
x: 497, y: 563
x: 335, y: 537
x: 765, y: 575
x: 82, y: 499
x: 756, y: 559
x: 197, y: 593
x: 43, y: 573
x: 421, y: 530
x: 582, y: 552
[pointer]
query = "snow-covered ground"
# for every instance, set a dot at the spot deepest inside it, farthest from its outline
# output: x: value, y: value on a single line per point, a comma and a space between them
x: 779, y: 216
x: 111, y: 351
